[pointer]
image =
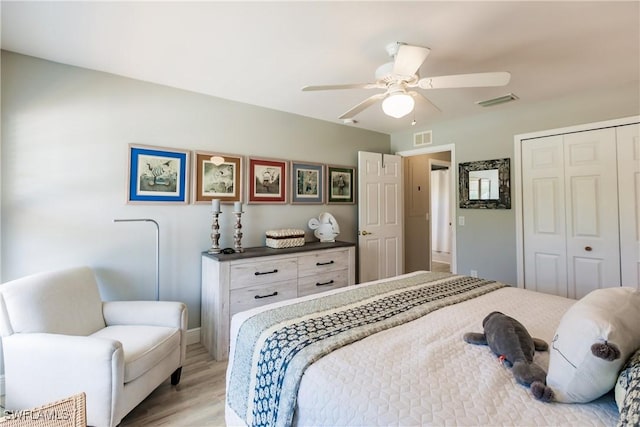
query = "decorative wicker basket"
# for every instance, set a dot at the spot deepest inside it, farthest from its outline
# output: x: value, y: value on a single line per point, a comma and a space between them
x: 67, y: 412
x: 285, y: 238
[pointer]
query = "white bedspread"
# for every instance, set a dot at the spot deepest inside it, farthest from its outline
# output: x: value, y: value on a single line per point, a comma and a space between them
x: 423, y: 373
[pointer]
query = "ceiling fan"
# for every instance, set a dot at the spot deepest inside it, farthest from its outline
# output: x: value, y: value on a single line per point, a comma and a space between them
x: 397, y: 76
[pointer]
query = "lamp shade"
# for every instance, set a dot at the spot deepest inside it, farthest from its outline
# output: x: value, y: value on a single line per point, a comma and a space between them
x: 398, y: 105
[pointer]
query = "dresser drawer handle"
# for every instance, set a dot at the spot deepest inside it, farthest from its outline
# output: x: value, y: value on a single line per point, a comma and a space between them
x: 266, y: 296
x: 324, y: 263
x: 325, y: 283
x: 259, y: 273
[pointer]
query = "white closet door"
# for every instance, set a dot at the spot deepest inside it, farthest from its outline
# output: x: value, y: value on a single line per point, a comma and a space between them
x: 591, y: 200
x: 629, y: 188
x: 545, y: 260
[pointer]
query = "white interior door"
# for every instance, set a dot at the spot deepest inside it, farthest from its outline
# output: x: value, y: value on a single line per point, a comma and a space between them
x: 543, y: 215
x: 629, y: 201
x: 591, y: 199
x: 380, y: 216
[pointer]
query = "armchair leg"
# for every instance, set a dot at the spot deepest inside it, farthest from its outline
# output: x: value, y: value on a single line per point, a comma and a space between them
x: 175, y: 377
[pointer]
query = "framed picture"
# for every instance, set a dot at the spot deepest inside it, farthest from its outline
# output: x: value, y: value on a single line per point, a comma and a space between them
x: 157, y: 174
x: 341, y: 181
x: 267, y: 181
x: 217, y: 176
x: 307, y: 183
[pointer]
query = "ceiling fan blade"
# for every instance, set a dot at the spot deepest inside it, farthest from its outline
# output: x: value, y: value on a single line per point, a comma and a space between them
x: 500, y: 78
x: 347, y: 86
x: 423, y: 98
x: 363, y: 106
x: 409, y: 59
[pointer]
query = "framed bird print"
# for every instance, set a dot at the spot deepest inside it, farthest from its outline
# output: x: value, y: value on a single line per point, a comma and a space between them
x: 307, y: 183
x: 157, y: 174
x: 341, y: 184
x: 217, y: 176
x: 267, y: 180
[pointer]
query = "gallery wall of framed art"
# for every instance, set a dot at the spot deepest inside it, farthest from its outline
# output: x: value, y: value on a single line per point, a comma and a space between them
x: 165, y: 175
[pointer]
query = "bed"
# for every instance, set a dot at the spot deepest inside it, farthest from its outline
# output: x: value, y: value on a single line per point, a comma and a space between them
x: 407, y: 367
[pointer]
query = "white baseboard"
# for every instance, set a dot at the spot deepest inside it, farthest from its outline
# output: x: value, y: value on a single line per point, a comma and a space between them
x: 193, y: 336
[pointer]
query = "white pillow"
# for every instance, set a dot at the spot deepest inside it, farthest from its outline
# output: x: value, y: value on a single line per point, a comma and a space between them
x: 609, y: 315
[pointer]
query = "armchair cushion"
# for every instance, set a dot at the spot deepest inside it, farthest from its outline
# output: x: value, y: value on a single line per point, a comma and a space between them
x: 144, y: 346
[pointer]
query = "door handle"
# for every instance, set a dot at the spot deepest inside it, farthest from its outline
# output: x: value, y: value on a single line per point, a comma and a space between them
x: 588, y: 248
x: 365, y: 233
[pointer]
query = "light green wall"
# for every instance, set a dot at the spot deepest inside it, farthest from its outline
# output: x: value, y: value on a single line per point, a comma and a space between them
x: 487, y: 242
x: 65, y: 136
x: 65, y: 132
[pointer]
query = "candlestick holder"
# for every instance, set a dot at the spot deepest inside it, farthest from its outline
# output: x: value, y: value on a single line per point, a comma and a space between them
x: 215, y: 234
x: 237, y: 232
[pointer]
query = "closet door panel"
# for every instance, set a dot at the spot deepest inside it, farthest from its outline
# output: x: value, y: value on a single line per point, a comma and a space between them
x: 550, y: 274
x: 629, y: 184
x: 544, y: 216
x: 591, y: 202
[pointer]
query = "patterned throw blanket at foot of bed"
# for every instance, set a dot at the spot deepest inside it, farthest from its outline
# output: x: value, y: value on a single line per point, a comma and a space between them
x: 274, y: 347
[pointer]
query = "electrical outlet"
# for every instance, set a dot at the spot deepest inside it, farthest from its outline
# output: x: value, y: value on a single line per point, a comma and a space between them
x: 461, y: 220
x: 473, y: 273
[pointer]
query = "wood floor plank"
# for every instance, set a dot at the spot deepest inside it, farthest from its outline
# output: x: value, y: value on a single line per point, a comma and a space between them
x: 197, y: 401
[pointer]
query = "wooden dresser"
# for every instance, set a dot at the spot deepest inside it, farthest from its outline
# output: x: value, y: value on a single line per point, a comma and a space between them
x: 235, y: 282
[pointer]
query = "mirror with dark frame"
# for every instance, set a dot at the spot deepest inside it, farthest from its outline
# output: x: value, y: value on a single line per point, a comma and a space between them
x: 485, y: 184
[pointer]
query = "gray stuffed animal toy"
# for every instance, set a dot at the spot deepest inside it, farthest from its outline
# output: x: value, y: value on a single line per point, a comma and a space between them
x: 509, y: 340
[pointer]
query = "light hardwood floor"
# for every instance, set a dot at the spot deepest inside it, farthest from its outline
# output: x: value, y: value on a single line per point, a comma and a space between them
x: 197, y: 401
x: 440, y: 266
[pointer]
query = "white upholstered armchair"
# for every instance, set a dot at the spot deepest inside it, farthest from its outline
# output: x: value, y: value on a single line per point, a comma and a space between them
x: 59, y: 338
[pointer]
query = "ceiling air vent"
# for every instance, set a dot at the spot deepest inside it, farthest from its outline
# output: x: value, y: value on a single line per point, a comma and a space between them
x: 422, y: 138
x: 499, y: 100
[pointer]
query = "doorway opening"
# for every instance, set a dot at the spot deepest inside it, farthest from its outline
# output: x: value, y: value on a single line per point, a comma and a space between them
x: 440, y: 214
x: 417, y: 213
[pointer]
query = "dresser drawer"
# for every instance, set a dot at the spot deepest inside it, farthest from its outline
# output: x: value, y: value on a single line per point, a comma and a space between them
x: 256, y: 273
x: 322, y: 262
x: 322, y: 282
x: 255, y: 296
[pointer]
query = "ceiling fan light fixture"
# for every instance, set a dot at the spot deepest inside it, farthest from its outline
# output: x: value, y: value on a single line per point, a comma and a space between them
x: 398, y: 105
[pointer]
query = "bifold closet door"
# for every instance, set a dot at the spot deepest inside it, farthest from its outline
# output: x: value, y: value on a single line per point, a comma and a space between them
x: 629, y: 185
x: 545, y: 251
x: 591, y: 200
x: 570, y: 213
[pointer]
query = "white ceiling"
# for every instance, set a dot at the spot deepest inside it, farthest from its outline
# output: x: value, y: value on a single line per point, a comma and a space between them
x: 263, y: 53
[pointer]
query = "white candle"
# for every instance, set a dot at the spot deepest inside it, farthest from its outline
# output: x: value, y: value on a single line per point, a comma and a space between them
x: 215, y: 205
x: 237, y: 207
